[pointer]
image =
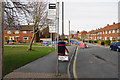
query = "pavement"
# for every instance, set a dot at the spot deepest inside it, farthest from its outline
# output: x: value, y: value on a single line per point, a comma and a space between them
x: 96, y: 62
x: 44, y: 67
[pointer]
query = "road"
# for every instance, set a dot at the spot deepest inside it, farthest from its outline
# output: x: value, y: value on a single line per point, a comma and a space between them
x: 96, y: 62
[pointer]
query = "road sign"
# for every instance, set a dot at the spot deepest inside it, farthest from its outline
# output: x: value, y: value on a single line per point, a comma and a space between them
x: 52, y: 11
x: 52, y: 29
x: 63, y: 58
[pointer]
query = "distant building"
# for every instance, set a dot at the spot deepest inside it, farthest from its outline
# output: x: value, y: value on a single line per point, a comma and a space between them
x: 109, y: 32
x: 82, y: 35
x: 24, y: 33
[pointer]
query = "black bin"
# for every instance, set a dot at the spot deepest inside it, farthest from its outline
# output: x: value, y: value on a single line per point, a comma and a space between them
x: 61, y: 48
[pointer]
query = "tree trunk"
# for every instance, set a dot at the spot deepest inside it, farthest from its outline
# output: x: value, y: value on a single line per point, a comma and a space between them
x: 31, y: 42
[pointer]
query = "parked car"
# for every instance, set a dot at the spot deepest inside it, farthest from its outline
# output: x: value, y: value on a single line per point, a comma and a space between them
x: 115, y: 46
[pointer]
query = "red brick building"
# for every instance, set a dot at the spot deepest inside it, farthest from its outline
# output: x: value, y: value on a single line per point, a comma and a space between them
x: 82, y: 35
x: 73, y: 36
x: 23, y: 33
x: 109, y: 32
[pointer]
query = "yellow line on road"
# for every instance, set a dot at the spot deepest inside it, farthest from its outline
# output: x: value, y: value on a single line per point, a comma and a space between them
x: 74, y: 65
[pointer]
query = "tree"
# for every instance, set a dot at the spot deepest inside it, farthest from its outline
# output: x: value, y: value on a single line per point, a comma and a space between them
x: 28, y: 12
x: 39, y: 18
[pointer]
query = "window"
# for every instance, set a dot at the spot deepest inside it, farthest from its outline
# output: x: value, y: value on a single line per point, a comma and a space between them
x: 109, y: 32
x: 31, y: 31
x: 16, y: 32
x: 110, y: 38
x: 106, y: 32
x: 113, y: 31
x: 9, y: 32
x: 105, y: 38
x: 103, y: 32
x: 118, y: 38
x: 25, y: 38
x: 118, y: 30
x: 11, y: 38
x: 24, y: 31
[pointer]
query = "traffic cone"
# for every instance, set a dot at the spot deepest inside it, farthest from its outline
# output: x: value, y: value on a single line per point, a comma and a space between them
x: 66, y: 53
x: 87, y: 46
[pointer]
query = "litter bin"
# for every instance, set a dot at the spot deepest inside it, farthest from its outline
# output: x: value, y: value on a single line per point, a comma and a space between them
x: 61, y: 48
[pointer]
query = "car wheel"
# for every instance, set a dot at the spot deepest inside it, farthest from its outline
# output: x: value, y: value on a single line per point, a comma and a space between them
x: 117, y: 50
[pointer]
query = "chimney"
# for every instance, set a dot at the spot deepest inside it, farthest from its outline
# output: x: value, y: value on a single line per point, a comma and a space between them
x: 113, y: 23
x: 107, y: 24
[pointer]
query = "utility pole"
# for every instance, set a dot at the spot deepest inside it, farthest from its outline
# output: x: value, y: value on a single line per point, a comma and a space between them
x: 62, y: 21
x: 57, y: 25
x: 1, y: 38
x: 69, y: 32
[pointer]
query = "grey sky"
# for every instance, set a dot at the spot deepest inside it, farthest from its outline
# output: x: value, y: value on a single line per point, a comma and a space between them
x: 86, y: 15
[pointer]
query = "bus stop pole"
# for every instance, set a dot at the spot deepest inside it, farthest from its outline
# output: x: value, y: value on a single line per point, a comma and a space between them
x: 57, y: 26
x: 1, y: 38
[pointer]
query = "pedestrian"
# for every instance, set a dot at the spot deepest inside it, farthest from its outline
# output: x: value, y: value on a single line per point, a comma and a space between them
x: 7, y: 41
x: 83, y: 40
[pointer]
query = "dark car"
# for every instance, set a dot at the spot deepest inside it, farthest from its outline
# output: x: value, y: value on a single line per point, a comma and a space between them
x: 115, y: 46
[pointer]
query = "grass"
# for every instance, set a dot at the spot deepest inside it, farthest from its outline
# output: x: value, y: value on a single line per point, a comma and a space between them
x: 15, y: 57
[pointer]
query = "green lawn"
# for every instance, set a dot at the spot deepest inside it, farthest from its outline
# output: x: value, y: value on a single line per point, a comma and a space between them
x: 18, y: 56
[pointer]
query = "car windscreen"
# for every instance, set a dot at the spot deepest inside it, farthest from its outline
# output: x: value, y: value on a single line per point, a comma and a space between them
x: 118, y: 43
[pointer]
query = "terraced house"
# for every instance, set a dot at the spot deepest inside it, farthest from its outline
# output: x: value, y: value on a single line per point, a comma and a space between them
x: 23, y: 33
x: 109, y: 32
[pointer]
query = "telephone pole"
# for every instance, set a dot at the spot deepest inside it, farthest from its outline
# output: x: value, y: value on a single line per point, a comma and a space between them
x: 57, y: 26
x: 69, y: 32
x: 62, y: 21
x: 1, y: 38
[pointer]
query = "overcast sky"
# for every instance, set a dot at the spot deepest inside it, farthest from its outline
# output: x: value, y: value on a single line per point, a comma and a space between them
x: 89, y: 14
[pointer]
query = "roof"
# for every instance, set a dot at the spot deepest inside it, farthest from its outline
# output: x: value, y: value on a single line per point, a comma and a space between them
x: 82, y: 32
x: 19, y: 27
x: 27, y: 28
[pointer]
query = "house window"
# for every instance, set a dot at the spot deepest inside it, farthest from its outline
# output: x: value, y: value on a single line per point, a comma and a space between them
x: 118, y: 30
x: 9, y: 32
x: 113, y: 31
x: 24, y: 32
x: 11, y: 38
x: 109, y: 32
x: 106, y: 32
x: 31, y: 31
x: 105, y: 38
x: 16, y: 32
x: 110, y: 38
x: 118, y: 38
x: 25, y: 38
x: 103, y: 32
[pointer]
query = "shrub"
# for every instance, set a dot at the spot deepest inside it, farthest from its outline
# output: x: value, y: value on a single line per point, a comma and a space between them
x: 99, y: 42
x: 107, y: 42
x: 95, y: 41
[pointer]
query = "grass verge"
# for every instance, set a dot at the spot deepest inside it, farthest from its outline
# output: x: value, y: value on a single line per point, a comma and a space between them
x: 15, y: 57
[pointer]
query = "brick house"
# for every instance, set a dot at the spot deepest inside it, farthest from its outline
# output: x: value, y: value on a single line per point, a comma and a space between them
x: 23, y: 33
x: 109, y: 32
x: 82, y: 35
x: 73, y: 36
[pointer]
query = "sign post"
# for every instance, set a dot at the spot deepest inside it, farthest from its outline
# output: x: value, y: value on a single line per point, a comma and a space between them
x: 1, y: 38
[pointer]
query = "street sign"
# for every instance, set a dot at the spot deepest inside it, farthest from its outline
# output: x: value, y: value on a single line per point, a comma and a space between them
x: 52, y: 29
x: 52, y: 11
x: 63, y: 58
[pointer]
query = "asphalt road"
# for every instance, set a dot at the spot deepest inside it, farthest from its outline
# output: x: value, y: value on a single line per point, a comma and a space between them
x: 47, y: 64
x: 97, y: 62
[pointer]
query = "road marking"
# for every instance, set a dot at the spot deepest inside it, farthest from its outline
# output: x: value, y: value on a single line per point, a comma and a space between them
x: 74, y: 65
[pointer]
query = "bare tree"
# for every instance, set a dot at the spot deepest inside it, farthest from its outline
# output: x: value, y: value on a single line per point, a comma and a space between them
x: 39, y: 18
x: 29, y: 12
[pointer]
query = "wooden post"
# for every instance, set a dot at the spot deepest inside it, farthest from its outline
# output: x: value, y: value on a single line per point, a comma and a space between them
x: 1, y: 39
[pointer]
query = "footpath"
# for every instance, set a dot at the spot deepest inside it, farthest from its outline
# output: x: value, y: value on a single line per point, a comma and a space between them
x: 44, y: 67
